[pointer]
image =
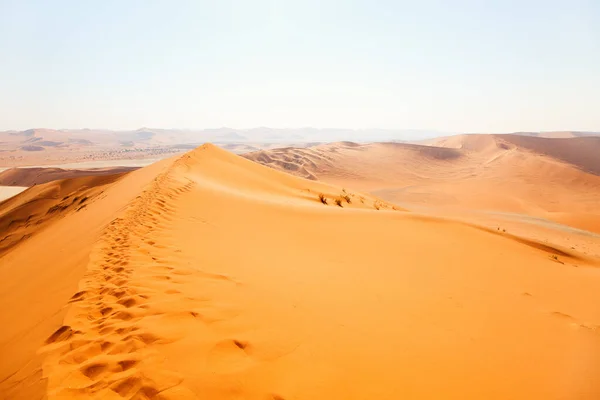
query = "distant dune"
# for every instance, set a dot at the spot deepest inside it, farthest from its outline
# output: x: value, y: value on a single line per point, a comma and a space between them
x: 558, y: 134
x: 206, y: 275
x: 557, y: 179
x: 41, y: 146
x: 582, y: 152
x: 27, y: 213
x: 36, y: 176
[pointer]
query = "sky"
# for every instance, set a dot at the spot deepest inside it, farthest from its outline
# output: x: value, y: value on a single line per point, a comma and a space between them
x: 453, y: 66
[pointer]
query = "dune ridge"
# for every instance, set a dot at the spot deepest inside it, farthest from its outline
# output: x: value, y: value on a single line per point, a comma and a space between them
x: 101, y: 314
x: 111, y: 339
x: 211, y: 276
x: 541, y: 177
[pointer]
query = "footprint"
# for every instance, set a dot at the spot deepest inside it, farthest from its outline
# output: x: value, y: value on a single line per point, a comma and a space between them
x: 128, y: 386
x: 128, y: 302
x: 148, y: 392
x: 127, y: 364
x: 240, y: 344
x: 93, y: 370
x: 61, y: 334
x: 562, y: 315
x: 122, y: 315
x: 78, y: 296
x: 124, y: 331
x: 147, y: 338
x: 106, y: 345
x: 117, y: 293
x: 106, y: 310
x: 106, y: 330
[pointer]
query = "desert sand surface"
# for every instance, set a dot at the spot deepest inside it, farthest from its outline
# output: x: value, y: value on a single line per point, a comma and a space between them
x: 553, y: 179
x: 37, y: 175
x: 206, y: 275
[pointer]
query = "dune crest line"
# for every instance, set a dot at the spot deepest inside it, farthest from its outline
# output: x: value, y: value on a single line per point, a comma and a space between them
x: 103, y: 346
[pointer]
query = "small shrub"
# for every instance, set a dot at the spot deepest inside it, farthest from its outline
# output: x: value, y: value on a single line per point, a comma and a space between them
x: 347, y: 198
x: 339, y: 202
x: 377, y: 206
x: 322, y: 198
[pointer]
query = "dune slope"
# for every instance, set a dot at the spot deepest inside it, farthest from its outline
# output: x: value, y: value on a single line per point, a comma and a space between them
x: 209, y: 276
x: 554, y: 179
x: 38, y: 175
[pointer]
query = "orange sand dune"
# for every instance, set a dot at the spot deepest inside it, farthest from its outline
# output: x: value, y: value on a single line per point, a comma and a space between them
x: 209, y: 276
x: 549, y: 178
x: 39, y: 175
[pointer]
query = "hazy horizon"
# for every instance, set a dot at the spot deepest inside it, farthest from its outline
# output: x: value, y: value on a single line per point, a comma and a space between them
x: 298, y: 128
x: 498, y: 67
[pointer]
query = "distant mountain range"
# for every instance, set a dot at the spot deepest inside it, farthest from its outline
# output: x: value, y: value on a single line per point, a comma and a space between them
x: 161, y: 137
x: 82, y: 139
x: 36, y: 140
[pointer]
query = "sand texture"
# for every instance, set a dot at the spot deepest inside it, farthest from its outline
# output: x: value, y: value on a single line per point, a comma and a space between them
x: 209, y: 276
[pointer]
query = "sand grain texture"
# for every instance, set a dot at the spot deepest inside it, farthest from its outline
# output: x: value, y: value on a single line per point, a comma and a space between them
x: 209, y: 276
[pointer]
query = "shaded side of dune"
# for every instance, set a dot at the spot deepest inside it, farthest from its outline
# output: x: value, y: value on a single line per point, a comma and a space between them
x: 34, y: 209
x: 582, y: 152
x: 39, y: 175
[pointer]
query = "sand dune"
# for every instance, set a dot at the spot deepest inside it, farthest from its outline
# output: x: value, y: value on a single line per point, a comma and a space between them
x: 29, y: 212
x: 582, y: 152
x: 556, y: 179
x: 38, y: 175
x: 210, y: 276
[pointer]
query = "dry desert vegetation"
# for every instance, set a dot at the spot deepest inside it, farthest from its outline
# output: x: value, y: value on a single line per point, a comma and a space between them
x: 462, y: 268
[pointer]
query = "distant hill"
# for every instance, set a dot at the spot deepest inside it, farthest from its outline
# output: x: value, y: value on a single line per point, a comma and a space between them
x: 10, y: 140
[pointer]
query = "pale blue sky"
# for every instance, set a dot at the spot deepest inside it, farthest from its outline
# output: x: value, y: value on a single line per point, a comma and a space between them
x: 455, y: 66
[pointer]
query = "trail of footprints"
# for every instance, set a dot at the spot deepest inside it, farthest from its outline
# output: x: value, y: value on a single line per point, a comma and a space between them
x: 104, y: 338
